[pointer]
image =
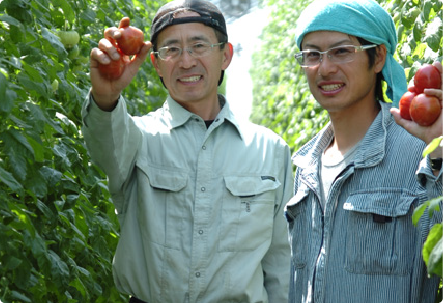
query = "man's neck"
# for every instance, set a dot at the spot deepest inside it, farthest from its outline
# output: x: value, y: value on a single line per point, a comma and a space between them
x: 351, y: 127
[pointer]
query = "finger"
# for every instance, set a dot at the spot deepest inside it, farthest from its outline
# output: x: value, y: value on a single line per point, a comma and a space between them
x: 112, y: 33
x: 107, y: 47
x: 140, y: 58
x: 434, y: 92
x: 98, y: 56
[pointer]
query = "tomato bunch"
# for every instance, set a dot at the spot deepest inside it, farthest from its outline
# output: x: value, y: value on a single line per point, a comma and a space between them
x: 415, y: 105
x: 129, y: 44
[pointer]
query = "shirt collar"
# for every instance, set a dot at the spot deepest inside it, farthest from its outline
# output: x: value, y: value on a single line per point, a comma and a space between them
x: 176, y: 115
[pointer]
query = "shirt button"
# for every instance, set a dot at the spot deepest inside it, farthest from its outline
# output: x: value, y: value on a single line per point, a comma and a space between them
x: 204, y: 147
x: 197, y: 274
x: 200, y: 232
x: 203, y: 189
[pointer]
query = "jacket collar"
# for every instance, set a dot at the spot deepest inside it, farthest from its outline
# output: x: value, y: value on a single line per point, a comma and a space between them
x: 370, y: 153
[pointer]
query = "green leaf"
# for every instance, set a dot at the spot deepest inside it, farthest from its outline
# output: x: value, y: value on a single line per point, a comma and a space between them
x: 432, y: 146
x: 9, y: 20
x: 53, y: 40
x: 435, y: 258
x: 37, y: 149
x: 418, y: 212
x: 2, y: 86
x: 433, y: 237
x: 9, y: 180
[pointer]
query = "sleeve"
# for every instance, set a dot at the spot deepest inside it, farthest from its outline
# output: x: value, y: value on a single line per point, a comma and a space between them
x: 112, y: 140
x: 276, y: 264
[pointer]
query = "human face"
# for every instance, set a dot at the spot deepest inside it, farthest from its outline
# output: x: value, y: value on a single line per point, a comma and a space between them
x: 189, y: 80
x: 345, y: 86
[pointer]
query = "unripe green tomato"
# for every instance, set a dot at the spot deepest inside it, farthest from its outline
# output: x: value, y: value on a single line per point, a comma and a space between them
x: 54, y: 85
x: 69, y: 38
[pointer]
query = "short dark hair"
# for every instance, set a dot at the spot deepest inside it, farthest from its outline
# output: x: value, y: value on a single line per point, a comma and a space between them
x: 372, y: 53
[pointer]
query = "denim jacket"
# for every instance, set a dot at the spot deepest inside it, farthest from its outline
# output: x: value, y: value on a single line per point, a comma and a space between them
x: 363, y: 246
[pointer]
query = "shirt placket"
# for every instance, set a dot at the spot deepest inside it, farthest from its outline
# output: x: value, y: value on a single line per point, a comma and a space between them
x: 200, y: 239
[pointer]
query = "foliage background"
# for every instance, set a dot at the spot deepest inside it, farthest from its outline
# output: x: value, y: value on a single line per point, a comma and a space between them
x: 58, y: 228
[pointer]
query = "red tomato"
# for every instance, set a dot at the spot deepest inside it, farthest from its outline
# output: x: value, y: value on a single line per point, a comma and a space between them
x: 411, y: 89
x: 113, y: 70
x: 405, y: 103
x: 427, y: 76
x: 132, y: 38
x: 425, y: 109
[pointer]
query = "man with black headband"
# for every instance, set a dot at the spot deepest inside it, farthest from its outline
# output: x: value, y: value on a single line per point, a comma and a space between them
x: 199, y: 194
x: 359, y: 179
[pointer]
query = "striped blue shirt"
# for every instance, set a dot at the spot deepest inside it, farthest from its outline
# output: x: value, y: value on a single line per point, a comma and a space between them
x: 362, y: 246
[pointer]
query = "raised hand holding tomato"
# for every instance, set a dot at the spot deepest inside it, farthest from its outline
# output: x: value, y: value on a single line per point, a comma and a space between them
x: 111, y: 70
x: 415, y: 105
x: 424, y: 132
x: 128, y: 43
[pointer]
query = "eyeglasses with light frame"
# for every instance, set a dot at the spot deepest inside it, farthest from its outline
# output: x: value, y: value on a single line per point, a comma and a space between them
x: 196, y: 50
x: 339, y: 54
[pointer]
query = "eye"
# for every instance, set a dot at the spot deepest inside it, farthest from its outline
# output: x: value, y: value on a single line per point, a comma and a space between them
x: 172, y: 50
x: 342, y: 50
x: 311, y: 55
x: 199, y: 45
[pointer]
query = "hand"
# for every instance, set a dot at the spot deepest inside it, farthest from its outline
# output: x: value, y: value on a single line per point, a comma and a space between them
x: 106, y: 92
x: 425, y: 133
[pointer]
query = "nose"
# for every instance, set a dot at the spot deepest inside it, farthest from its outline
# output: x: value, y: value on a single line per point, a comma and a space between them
x: 187, y: 60
x: 326, y: 66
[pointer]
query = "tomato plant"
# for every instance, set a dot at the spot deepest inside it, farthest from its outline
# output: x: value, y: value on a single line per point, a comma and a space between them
x: 405, y: 103
x: 427, y: 76
x: 132, y: 38
x: 424, y: 109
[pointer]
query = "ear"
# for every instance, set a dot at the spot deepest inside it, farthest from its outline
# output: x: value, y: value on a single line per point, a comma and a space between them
x: 380, y: 58
x: 227, y: 55
x: 154, y: 61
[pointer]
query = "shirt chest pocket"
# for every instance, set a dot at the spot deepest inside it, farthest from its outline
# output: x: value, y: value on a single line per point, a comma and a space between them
x: 247, y: 213
x: 380, y: 236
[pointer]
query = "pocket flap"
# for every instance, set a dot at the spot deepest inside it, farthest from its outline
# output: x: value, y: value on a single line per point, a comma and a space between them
x: 167, y: 179
x: 386, y: 203
x: 245, y: 186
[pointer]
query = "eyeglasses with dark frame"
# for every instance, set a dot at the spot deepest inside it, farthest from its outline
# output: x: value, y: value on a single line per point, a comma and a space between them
x: 196, y: 50
x: 339, y: 54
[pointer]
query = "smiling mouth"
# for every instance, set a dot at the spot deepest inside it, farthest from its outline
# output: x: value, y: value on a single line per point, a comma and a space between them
x: 331, y: 87
x: 190, y: 79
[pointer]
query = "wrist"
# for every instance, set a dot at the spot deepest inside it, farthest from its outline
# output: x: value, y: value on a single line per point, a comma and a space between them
x: 105, y: 102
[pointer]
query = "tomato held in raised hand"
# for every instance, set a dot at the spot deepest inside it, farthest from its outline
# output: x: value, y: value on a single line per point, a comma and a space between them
x: 132, y: 38
x: 405, y: 103
x: 427, y: 76
x: 424, y: 109
x: 114, y: 69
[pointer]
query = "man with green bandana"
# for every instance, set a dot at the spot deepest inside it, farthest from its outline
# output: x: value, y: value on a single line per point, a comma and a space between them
x: 359, y: 179
x: 199, y: 194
